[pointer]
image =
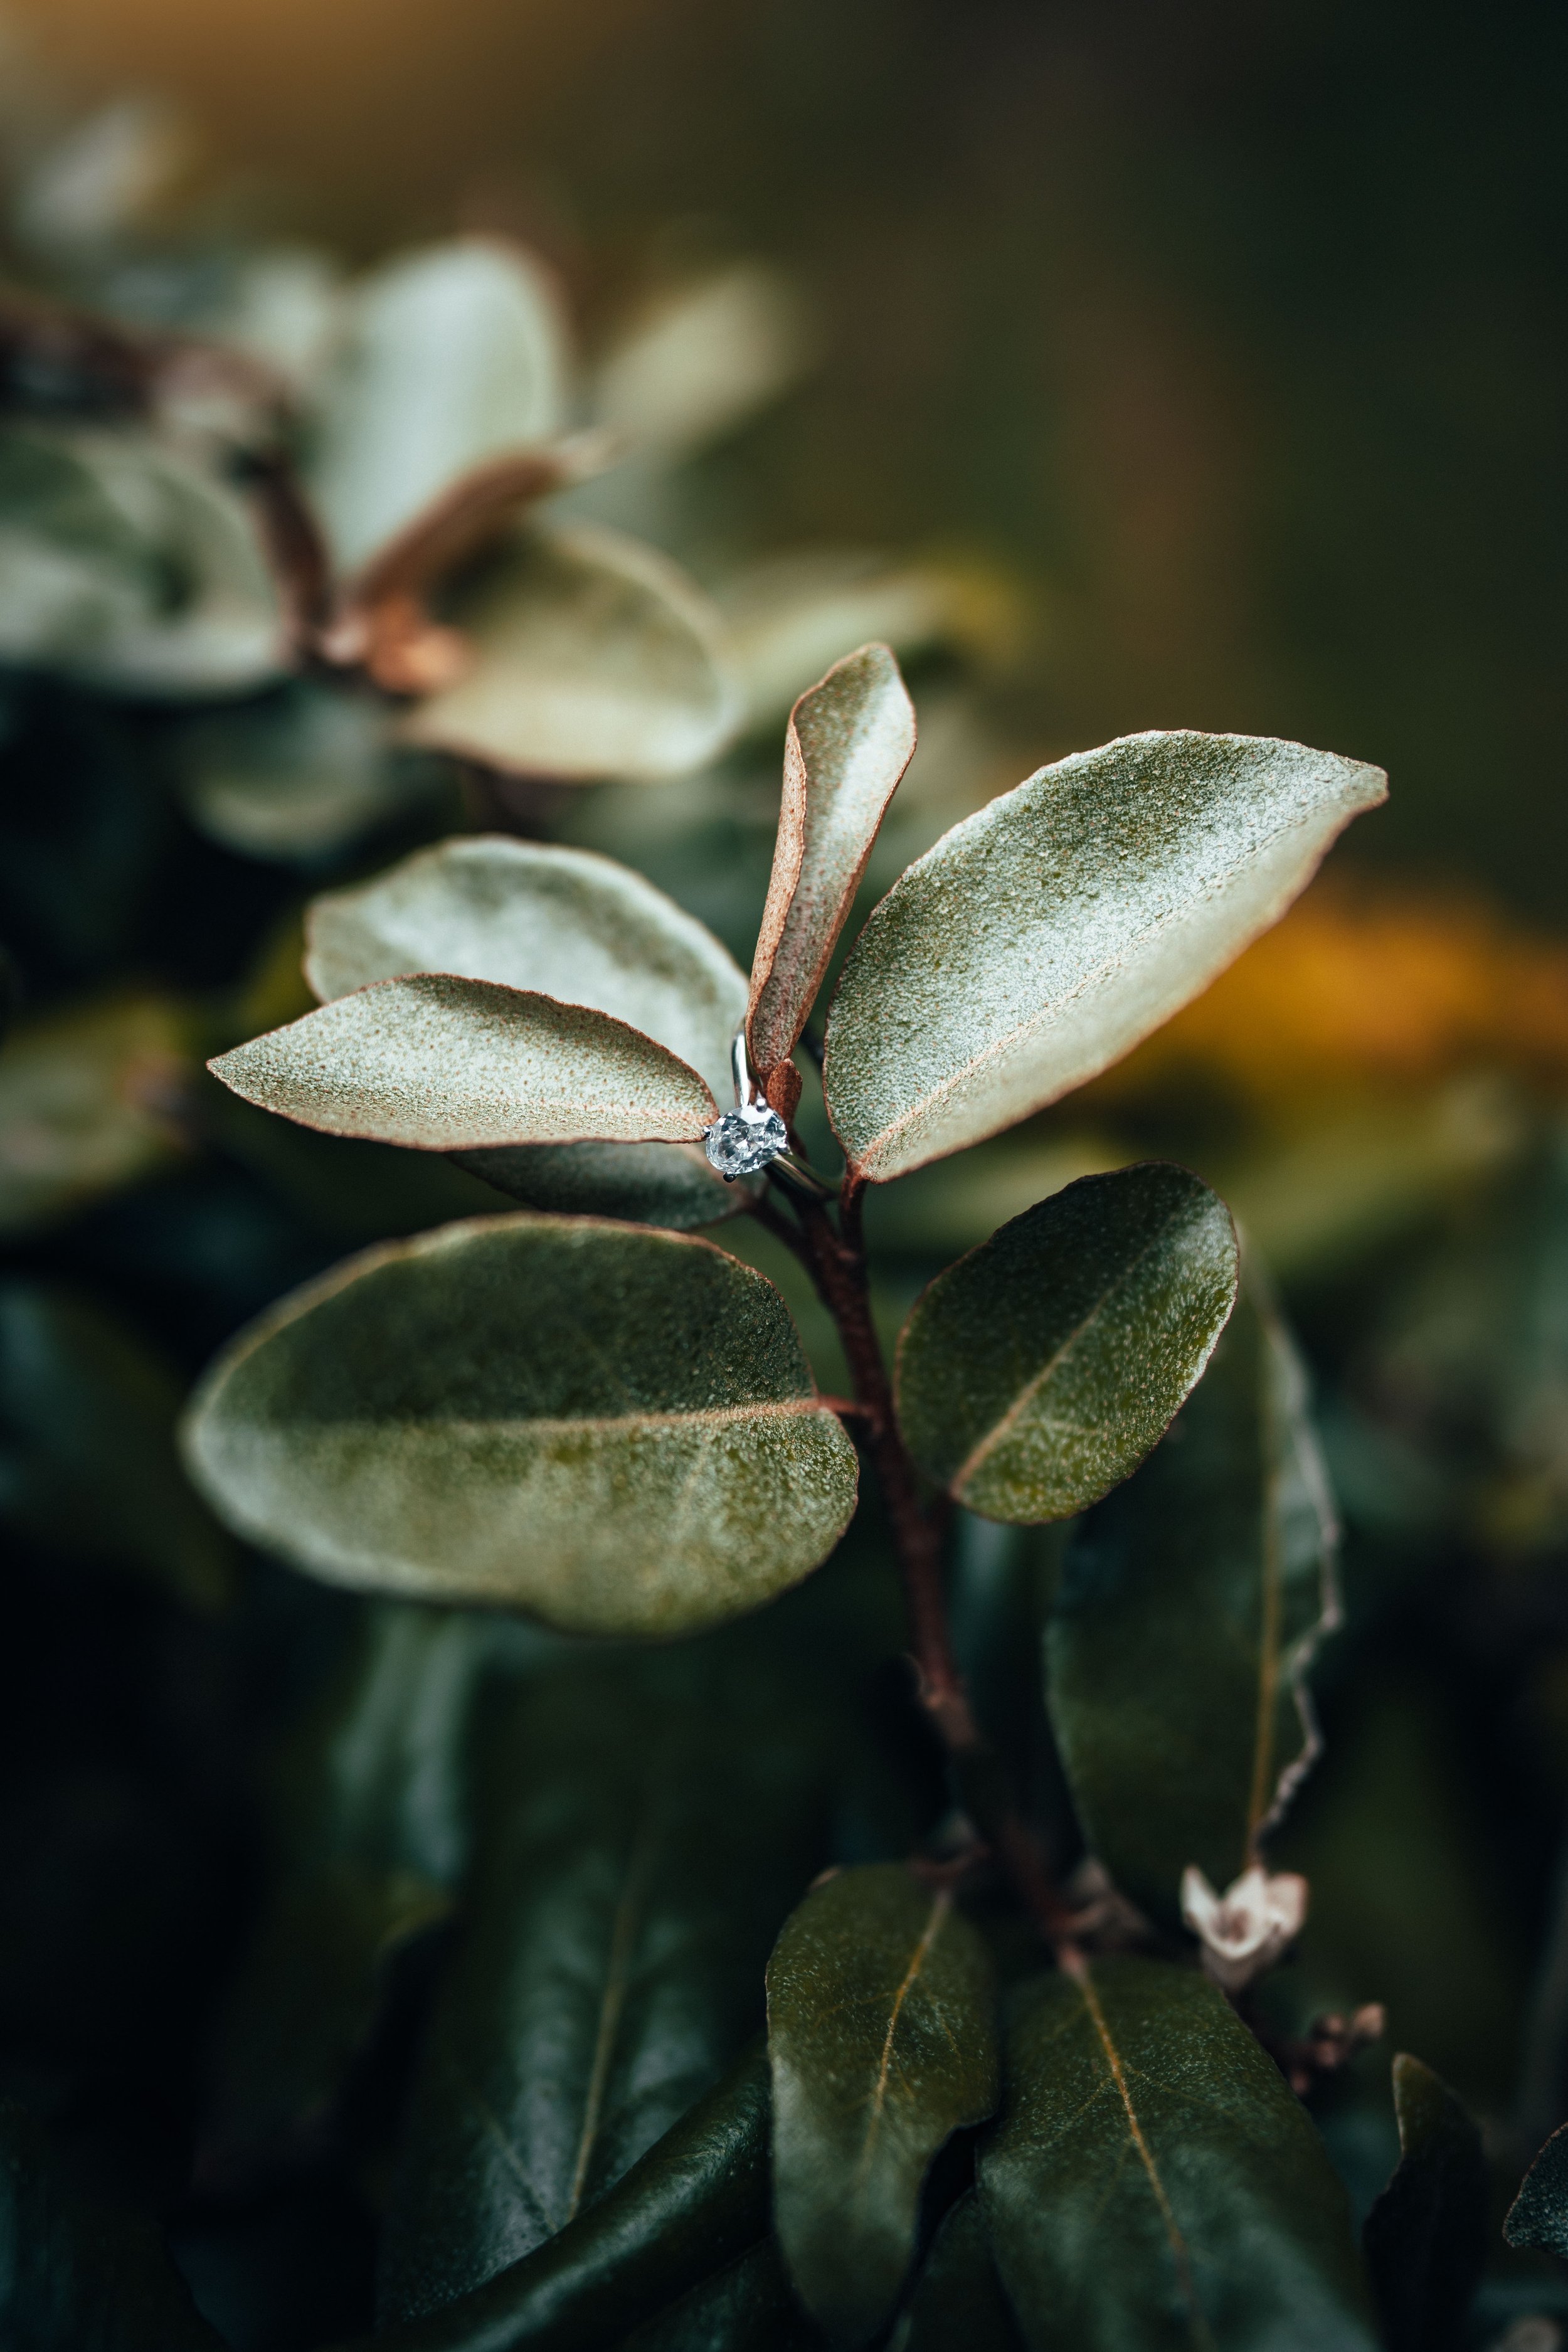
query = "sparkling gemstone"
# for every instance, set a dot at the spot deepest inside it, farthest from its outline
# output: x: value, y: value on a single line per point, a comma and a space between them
x: 741, y: 1141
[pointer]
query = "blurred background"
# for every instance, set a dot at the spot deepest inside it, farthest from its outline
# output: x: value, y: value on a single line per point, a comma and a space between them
x: 1128, y: 365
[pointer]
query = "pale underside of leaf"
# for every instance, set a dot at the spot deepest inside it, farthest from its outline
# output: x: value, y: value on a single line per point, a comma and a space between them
x: 590, y: 654
x: 613, y: 1428
x: 1041, y: 938
x: 530, y: 915
x: 849, y: 741
x: 447, y: 1063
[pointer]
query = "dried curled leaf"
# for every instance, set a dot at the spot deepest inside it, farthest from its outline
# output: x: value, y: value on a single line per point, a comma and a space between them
x: 1042, y: 938
x: 451, y: 355
x: 1035, y: 1373
x: 611, y: 1428
x: 588, y: 654
x: 450, y: 1065
x: 849, y: 741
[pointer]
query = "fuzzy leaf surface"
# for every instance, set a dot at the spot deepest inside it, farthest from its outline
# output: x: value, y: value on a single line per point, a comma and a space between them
x: 881, y: 2033
x: 1035, y: 1374
x: 590, y: 654
x: 1154, y: 2182
x: 1539, y: 2214
x: 650, y: 1824
x: 528, y: 915
x: 1190, y: 1605
x: 667, y: 1184
x: 453, y: 355
x: 73, y: 2273
x: 1425, y: 2238
x: 1043, y: 936
x: 450, y: 1065
x: 849, y: 741
x: 613, y: 1429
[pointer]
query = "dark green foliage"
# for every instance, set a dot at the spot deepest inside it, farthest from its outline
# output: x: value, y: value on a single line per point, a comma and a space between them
x: 959, y: 2300
x: 1152, y: 2183
x: 1426, y: 2236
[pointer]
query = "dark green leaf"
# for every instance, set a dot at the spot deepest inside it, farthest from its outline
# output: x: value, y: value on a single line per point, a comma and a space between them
x: 1539, y: 2214
x: 1040, y: 939
x: 1190, y: 1602
x: 1154, y: 2182
x: 77, y: 2276
x: 1425, y: 2238
x: 448, y: 1064
x: 849, y: 741
x: 750, y: 2307
x: 958, y: 2299
x: 611, y: 1428
x: 370, y: 1832
x: 1035, y: 1374
x: 88, y: 1461
x: 881, y: 2031
x: 650, y: 1823
x: 591, y: 654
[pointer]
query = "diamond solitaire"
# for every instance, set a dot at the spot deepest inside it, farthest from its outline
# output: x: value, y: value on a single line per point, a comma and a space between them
x: 741, y: 1141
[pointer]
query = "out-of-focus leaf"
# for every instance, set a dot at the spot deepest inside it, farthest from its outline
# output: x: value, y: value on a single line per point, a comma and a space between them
x: 1042, y: 938
x: 1035, y: 1374
x: 370, y: 1832
x: 668, y: 1184
x: 87, y: 1101
x: 127, y: 566
x: 591, y: 654
x: 1190, y: 1605
x: 1425, y: 2238
x: 958, y: 2299
x: 528, y: 914
x: 882, y: 2039
x: 790, y: 618
x: 451, y: 355
x: 650, y: 1823
x: 1152, y: 2179
x: 102, y: 179
x: 655, y: 2241
x: 95, y: 2277
x: 849, y: 741
x: 448, y: 1064
x: 1539, y: 2214
x: 87, y: 1446
x: 611, y: 1428
x: 296, y: 776
x: 582, y: 929
x: 704, y: 357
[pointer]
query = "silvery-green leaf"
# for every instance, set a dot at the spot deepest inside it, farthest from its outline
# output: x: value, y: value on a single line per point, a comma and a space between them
x: 1539, y: 2214
x: 849, y: 741
x: 702, y: 359
x: 882, y: 2038
x: 1035, y: 1374
x: 87, y: 1101
x: 668, y: 1184
x: 1190, y: 1605
x: 1154, y: 2182
x: 126, y: 565
x: 1042, y: 938
x: 791, y: 618
x: 451, y: 355
x: 296, y: 775
x: 572, y: 925
x: 611, y: 1428
x: 450, y: 1065
x: 591, y: 654
x: 87, y: 1462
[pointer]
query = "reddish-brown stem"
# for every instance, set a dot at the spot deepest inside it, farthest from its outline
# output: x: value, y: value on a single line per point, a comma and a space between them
x: 837, y: 1262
